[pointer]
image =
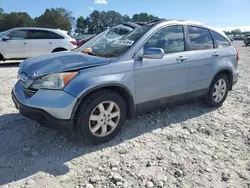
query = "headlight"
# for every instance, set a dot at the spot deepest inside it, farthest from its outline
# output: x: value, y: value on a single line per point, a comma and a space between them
x: 53, y: 81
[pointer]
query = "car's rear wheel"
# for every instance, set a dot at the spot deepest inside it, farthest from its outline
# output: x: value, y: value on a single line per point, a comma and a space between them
x: 218, y: 91
x: 101, y: 116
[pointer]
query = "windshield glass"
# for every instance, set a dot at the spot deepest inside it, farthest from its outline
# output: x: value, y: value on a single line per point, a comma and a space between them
x: 112, y: 44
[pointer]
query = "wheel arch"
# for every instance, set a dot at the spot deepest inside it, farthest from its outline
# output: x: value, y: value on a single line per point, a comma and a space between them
x: 228, y: 73
x: 118, y: 88
x: 59, y: 49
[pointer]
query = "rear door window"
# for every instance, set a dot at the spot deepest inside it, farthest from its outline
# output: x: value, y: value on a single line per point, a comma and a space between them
x: 39, y: 34
x: 220, y: 40
x: 200, y: 38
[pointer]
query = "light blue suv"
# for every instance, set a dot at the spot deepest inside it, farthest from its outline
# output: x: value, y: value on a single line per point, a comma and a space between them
x: 160, y: 62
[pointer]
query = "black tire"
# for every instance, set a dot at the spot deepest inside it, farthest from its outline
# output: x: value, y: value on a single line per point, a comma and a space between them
x: 209, y: 99
x: 88, y: 105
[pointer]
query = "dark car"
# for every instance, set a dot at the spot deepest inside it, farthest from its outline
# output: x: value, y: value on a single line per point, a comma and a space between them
x: 247, y: 40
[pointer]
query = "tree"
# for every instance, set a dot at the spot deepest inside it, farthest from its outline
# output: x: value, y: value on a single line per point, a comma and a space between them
x: 96, y: 25
x: 143, y: 17
x: 1, y: 10
x: 236, y: 32
x: 56, y: 18
x: 1, y: 15
x: 126, y: 18
x: 81, y: 25
x: 15, y: 19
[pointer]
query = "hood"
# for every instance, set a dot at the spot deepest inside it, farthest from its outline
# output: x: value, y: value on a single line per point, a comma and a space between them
x: 59, y: 62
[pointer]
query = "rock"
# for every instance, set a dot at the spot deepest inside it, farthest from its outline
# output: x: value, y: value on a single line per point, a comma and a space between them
x: 225, y: 176
x: 100, y: 169
x: 26, y: 149
x: 114, y: 164
x: 30, y: 181
x: 215, y: 157
x: 89, y: 170
x: 204, y: 130
x: 208, y: 170
x: 35, y: 153
x: 148, y: 164
x: 123, y: 151
x: 159, y: 156
x: 242, y: 176
x: 94, y: 179
x: 149, y: 184
x: 114, y: 169
x: 89, y: 185
x: 178, y: 173
x: 119, y: 183
x: 159, y: 184
x: 117, y: 177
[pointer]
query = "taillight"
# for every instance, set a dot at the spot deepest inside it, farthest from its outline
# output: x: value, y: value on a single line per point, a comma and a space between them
x: 238, y: 54
x: 73, y: 42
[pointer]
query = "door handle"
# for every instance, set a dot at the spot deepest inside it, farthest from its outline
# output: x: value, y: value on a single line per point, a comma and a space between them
x: 50, y: 43
x: 25, y: 43
x: 216, y: 54
x: 181, y: 59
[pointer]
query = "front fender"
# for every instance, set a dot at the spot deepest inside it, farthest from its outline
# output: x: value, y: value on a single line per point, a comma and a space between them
x: 83, y: 85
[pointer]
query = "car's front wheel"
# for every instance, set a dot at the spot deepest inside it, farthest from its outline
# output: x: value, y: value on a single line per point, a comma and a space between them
x: 101, y: 116
x: 218, y: 91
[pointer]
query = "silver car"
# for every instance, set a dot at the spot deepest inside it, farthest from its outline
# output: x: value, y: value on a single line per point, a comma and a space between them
x: 161, y: 62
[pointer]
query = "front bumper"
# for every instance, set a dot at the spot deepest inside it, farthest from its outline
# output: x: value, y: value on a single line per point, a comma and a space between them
x: 50, y: 108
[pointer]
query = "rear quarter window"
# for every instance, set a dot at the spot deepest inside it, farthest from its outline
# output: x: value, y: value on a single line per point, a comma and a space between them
x: 220, y: 41
x: 55, y: 36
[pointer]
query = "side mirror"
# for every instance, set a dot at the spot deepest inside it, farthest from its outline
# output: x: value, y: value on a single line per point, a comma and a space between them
x: 153, y: 53
x: 6, y: 38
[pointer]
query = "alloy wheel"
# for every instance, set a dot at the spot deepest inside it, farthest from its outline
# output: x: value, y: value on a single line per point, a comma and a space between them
x: 104, y: 118
x: 219, y: 90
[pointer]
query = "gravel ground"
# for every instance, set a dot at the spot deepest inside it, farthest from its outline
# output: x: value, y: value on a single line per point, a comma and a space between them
x: 186, y: 145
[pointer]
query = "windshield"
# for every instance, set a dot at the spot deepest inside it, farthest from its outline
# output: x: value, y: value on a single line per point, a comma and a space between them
x: 112, y: 44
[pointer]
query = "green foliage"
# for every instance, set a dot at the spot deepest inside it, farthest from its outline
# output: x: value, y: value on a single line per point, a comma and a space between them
x: 15, y: 19
x: 81, y: 25
x: 61, y: 18
x: 143, y: 17
x: 97, y: 21
x: 126, y: 18
x: 56, y: 18
x: 1, y: 11
x: 236, y: 32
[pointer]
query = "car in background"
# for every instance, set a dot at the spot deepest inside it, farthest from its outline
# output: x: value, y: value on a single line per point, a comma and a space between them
x: 83, y: 40
x: 22, y: 43
x: 111, y: 34
x: 116, y: 31
x: 247, y: 40
x: 238, y: 37
x: 160, y: 62
x: 231, y: 38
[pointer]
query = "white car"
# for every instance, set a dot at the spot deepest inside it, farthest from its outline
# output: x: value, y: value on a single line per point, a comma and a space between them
x: 22, y: 43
